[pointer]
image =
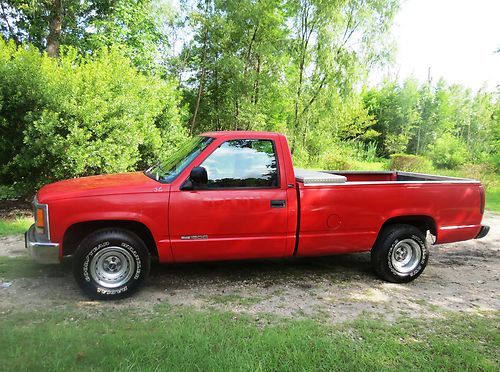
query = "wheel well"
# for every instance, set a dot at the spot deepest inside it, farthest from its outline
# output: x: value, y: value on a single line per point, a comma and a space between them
x: 75, y: 234
x: 423, y: 223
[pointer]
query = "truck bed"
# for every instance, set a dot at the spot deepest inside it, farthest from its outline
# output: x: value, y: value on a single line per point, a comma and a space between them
x: 309, y: 177
x: 344, y: 213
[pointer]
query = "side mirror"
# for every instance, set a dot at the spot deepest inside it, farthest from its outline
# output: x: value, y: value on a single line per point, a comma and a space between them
x: 198, y: 176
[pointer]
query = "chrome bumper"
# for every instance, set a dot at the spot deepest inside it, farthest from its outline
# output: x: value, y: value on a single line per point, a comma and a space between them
x: 43, y: 252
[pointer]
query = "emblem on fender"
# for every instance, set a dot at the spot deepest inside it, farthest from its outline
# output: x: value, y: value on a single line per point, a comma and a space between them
x: 191, y: 237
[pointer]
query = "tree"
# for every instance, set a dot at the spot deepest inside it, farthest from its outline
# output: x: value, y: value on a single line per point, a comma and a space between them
x: 446, y: 122
x: 139, y: 26
x: 396, y: 113
x: 333, y: 45
x: 234, y: 61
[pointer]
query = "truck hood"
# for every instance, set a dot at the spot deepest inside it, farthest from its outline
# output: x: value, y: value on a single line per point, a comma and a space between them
x: 120, y: 183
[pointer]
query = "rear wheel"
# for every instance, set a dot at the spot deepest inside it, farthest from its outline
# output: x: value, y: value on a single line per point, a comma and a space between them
x: 111, y: 264
x: 400, y: 254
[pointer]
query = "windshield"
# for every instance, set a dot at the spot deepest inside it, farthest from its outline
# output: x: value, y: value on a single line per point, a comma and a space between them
x: 168, y: 170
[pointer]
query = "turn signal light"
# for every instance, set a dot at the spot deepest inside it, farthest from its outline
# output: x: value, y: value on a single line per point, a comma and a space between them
x: 40, y: 221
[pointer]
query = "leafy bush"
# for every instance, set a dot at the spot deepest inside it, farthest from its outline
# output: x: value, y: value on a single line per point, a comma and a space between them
x: 370, y: 166
x: 448, y: 152
x: 396, y: 143
x: 7, y: 192
x: 79, y: 116
x: 410, y: 163
x: 336, y: 161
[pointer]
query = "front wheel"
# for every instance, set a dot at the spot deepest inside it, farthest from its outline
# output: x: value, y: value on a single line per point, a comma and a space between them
x: 111, y: 264
x: 400, y: 254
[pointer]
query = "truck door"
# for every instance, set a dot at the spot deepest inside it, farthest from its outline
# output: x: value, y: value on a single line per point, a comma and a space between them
x: 242, y: 211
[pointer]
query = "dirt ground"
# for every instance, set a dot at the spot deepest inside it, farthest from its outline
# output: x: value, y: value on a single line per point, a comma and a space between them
x: 460, y: 277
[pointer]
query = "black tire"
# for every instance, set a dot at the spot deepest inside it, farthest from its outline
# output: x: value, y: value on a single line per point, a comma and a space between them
x: 111, y: 264
x: 388, y: 254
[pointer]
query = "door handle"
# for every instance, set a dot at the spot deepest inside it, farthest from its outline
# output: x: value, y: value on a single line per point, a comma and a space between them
x: 278, y: 204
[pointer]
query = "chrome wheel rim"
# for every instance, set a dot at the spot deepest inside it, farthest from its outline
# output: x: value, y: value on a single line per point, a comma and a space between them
x: 406, y: 256
x: 112, y: 267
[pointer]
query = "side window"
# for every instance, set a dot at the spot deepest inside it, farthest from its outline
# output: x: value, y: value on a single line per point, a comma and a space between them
x: 242, y: 163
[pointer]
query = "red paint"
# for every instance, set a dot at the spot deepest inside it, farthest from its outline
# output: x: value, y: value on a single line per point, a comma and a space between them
x: 239, y: 223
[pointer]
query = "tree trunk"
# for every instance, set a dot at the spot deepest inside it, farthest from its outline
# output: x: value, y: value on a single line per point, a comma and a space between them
x: 256, y: 83
x: 418, y: 141
x: 236, y: 113
x: 54, y: 38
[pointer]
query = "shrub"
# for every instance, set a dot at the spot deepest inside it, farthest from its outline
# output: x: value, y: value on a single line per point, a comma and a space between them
x: 336, y: 161
x: 410, y: 163
x: 80, y: 116
x: 448, y: 152
x: 396, y: 143
x: 370, y: 165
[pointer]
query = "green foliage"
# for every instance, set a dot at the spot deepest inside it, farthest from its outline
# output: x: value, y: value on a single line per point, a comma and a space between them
x: 280, y: 65
x: 448, y: 152
x: 135, y: 76
x: 351, y: 155
x: 447, y: 122
x: 140, y: 27
x: 365, y: 151
x: 410, y: 163
x: 81, y: 115
x: 396, y: 115
x: 28, y: 21
x: 7, y: 192
x: 336, y: 161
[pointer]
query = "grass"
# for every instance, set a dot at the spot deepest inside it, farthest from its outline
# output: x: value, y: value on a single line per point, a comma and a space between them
x: 14, y: 226
x: 181, y: 339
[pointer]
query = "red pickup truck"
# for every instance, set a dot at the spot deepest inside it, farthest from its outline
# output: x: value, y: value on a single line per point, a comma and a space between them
x: 236, y: 195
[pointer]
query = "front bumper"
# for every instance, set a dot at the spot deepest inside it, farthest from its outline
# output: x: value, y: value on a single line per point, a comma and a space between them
x: 483, y: 232
x: 42, y: 252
